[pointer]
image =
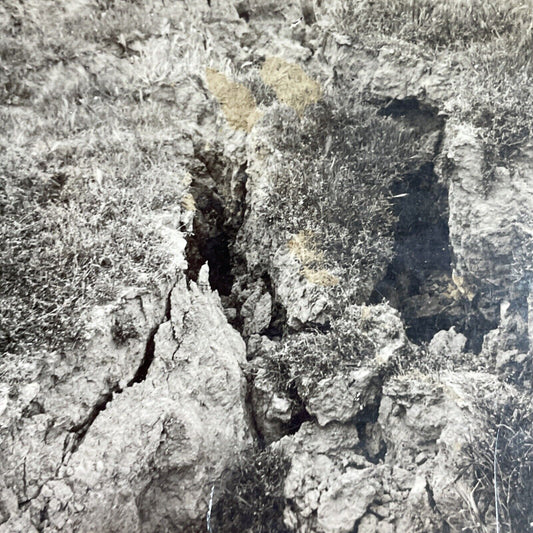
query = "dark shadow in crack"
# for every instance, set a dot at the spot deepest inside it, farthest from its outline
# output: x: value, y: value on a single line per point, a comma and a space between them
x: 419, y: 281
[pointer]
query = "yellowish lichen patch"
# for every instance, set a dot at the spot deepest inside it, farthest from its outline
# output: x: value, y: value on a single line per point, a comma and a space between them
x: 303, y: 246
x: 461, y: 286
x: 291, y: 84
x: 237, y: 102
x: 320, y: 276
x: 188, y: 203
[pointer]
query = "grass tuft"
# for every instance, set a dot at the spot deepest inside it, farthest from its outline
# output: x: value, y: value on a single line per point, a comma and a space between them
x: 332, y: 181
x: 304, y: 359
x: 511, y: 422
x: 250, y: 497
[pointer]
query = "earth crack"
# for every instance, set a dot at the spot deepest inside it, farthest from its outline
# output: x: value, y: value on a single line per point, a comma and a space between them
x: 77, y: 433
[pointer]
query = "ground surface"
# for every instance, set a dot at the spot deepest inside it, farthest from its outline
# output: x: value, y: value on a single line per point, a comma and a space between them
x: 311, y: 220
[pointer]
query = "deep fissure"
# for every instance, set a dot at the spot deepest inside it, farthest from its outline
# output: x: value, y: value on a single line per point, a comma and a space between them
x: 210, y: 241
x: 278, y: 323
x: 418, y: 281
x: 78, y: 432
x: 371, y: 445
x: 218, y: 218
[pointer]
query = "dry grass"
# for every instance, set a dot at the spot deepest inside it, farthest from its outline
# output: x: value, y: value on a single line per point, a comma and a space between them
x: 91, y: 138
x: 510, y: 421
x: 320, y: 276
x: 448, y: 23
x: 291, y: 84
x: 250, y: 496
x: 304, y: 247
x: 237, y: 101
x: 304, y: 359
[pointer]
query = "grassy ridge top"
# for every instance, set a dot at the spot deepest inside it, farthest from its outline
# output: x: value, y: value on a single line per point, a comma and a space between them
x: 447, y: 23
x: 488, y: 43
x: 87, y: 161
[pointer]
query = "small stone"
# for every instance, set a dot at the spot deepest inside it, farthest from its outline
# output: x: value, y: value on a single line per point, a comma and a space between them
x: 230, y: 313
x: 368, y: 524
x: 46, y: 492
x: 203, y: 278
x: 280, y: 409
x: 421, y: 458
x: 59, y: 520
x: 381, y: 510
x: 54, y: 505
x: 396, y: 410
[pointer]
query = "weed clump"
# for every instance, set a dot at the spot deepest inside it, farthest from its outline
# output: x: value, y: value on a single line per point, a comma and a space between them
x: 502, y: 461
x: 123, y: 328
x: 304, y: 359
x: 250, y: 497
x: 333, y: 182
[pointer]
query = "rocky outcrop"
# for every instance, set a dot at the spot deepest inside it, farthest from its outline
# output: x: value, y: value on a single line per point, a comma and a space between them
x: 45, y: 421
x: 347, y: 289
x: 153, y: 470
x: 419, y: 485
x: 488, y: 220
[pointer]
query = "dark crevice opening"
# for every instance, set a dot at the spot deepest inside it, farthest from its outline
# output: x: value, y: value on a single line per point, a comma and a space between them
x: 78, y: 432
x: 300, y: 413
x: 43, y: 518
x: 210, y: 241
x: 424, y: 118
x: 252, y: 419
x: 308, y: 12
x: 219, y: 190
x: 278, y: 323
x: 243, y: 11
x: 371, y: 445
x: 148, y: 359
x: 297, y: 419
x: 356, y: 526
x: 418, y: 281
x: 149, y: 350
